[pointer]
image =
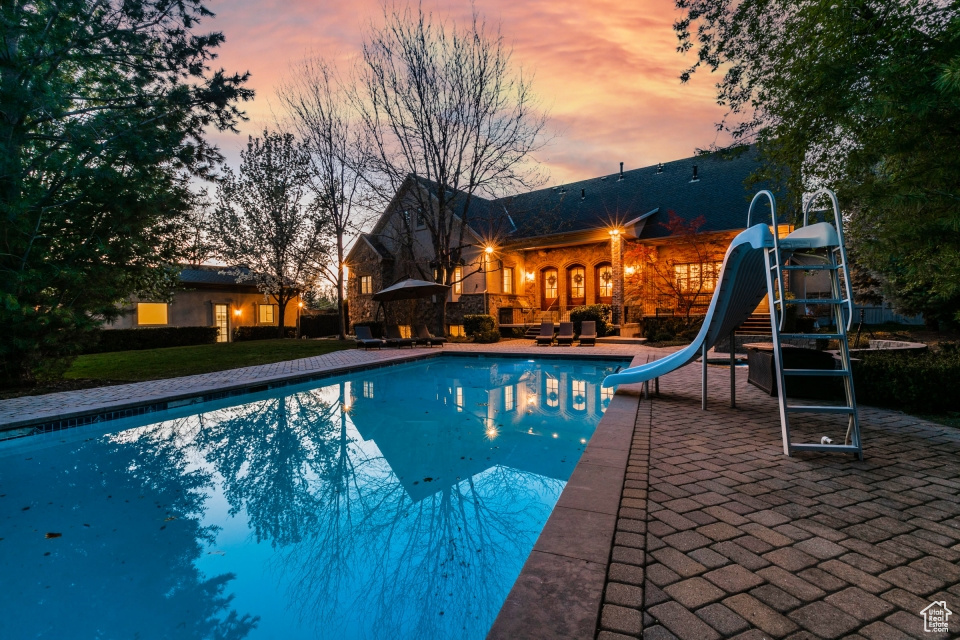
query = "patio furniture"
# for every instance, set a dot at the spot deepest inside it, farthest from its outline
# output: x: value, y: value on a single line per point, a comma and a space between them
x: 365, y: 339
x: 546, y: 334
x: 396, y: 339
x: 425, y: 337
x: 588, y: 333
x: 762, y: 373
x: 565, y: 336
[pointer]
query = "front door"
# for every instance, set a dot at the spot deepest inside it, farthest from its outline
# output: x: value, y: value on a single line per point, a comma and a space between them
x: 548, y: 288
x: 222, y: 321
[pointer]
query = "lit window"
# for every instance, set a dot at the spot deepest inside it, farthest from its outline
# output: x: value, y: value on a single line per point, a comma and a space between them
x: 605, y: 284
x: 366, y: 284
x: 267, y: 313
x: 694, y: 277
x: 221, y: 319
x: 508, y: 279
x: 509, y: 401
x: 550, y: 283
x: 455, y: 330
x: 367, y: 389
x: 577, y: 282
x: 151, y: 313
x: 579, y: 391
x: 553, y: 392
x: 458, y: 280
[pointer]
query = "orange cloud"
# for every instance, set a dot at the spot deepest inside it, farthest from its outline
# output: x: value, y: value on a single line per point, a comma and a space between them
x: 607, y: 70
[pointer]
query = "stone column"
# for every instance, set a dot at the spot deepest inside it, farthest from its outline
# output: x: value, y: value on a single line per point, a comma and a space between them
x: 616, y: 259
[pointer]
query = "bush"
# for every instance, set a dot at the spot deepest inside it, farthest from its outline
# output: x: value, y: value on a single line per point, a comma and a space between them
x: 670, y: 328
x: 599, y: 313
x: 376, y: 328
x: 242, y: 334
x: 924, y: 382
x: 154, y: 338
x: 478, y: 323
x: 486, y: 337
x: 320, y: 325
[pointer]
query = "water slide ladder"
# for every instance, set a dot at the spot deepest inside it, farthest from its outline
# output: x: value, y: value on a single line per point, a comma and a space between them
x: 815, y: 246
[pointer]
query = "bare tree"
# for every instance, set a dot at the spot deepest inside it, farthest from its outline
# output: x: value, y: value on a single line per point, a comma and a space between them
x: 321, y: 112
x: 198, y: 245
x: 264, y: 223
x: 445, y: 110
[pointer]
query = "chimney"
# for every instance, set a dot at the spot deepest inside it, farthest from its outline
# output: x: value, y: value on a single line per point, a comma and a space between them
x: 583, y: 193
x: 695, y: 173
x: 621, y: 172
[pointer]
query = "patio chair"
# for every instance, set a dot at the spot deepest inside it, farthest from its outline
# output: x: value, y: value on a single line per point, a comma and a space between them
x: 546, y: 334
x: 588, y: 333
x: 565, y: 335
x: 396, y: 339
x: 425, y: 337
x: 365, y: 339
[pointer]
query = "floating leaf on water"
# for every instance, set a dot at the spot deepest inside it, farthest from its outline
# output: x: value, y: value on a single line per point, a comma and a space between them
x: 169, y: 518
x: 52, y: 535
x: 216, y: 553
x: 428, y: 479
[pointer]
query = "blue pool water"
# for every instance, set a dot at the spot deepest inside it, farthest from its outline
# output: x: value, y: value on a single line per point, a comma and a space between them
x: 393, y: 503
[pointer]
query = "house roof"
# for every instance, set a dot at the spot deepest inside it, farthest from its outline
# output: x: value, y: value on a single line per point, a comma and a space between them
x: 718, y: 193
x: 215, y: 275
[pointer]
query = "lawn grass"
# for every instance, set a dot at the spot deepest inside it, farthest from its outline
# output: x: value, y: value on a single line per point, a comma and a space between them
x: 155, y: 364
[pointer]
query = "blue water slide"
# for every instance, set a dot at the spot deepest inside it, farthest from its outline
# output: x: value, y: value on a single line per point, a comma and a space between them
x: 740, y: 288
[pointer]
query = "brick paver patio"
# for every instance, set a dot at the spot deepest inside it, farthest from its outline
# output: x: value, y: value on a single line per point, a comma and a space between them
x: 720, y: 535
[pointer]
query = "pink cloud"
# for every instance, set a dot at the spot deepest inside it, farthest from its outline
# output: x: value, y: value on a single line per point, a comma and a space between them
x: 608, y: 70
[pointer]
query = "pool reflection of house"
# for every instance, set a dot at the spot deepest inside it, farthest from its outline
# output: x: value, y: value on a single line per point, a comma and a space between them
x: 472, y: 428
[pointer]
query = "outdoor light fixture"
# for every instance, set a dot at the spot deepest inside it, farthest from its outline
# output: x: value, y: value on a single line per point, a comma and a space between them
x: 631, y: 270
x: 299, y: 304
x: 530, y: 276
x: 236, y: 312
x: 488, y: 250
x: 614, y: 232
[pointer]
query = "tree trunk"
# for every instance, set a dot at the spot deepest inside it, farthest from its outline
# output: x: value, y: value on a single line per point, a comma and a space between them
x: 282, y: 301
x: 340, y: 317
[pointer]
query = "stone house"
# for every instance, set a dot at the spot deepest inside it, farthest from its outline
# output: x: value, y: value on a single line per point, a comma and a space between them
x: 536, y: 256
x: 207, y: 297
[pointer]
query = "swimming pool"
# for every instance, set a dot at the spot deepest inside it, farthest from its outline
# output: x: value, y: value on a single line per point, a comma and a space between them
x: 396, y: 502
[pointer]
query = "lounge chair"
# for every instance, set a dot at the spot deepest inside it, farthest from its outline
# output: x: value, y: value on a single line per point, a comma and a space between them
x: 546, y: 334
x: 588, y: 333
x: 365, y: 339
x: 395, y: 339
x: 565, y: 335
x: 425, y: 337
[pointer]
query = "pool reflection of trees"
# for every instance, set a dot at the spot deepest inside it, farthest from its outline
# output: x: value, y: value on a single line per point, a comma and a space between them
x: 128, y: 509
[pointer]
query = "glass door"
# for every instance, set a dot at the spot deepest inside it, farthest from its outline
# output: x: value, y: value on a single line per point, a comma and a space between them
x: 222, y: 319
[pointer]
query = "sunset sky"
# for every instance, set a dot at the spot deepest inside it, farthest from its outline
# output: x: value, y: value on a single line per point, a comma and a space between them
x: 607, y: 71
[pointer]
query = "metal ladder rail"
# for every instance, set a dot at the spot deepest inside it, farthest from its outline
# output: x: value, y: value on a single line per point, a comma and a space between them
x: 835, y: 262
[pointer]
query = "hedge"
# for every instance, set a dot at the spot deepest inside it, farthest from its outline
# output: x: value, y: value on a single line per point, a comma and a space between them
x: 153, y: 338
x: 242, y: 334
x: 319, y: 326
x: 922, y: 383
x: 478, y: 323
x: 670, y: 328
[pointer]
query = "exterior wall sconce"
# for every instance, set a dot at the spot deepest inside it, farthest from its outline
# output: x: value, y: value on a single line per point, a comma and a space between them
x: 530, y: 276
x: 488, y: 250
x: 236, y: 312
x: 614, y: 232
x: 631, y: 270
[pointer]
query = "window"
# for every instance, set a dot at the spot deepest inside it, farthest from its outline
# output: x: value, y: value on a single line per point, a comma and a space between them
x: 421, y: 221
x: 455, y: 330
x: 508, y: 279
x: 578, y: 389
x: 605, y: 281
x: 367, y: 389
x: 553, y: 393
x: 606, y: 395
x: 221, y: 319
x: 151, y: 313
x: 458, y: 280
x: 267, y: 313
x: 366, y: 284
x: 550, y: 283
x: 690, y: 280
x: 509, y: 401
x: 578, y: 283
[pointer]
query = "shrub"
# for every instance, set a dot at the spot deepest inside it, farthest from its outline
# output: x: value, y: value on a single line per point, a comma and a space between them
x: 242, y: 334
x: 488, y: 336
x: 320, y: 325
x: 599, y: 313
x: 670, y: 328
x: 478, y: 323
x: 924, y: 382
x: 153, y: 338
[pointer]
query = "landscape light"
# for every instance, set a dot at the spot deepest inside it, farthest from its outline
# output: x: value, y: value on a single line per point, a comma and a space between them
x: 488, y: 250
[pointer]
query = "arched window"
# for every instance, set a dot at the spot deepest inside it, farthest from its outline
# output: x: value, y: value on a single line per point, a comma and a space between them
x: 604, y: 282
x: 576, y: 285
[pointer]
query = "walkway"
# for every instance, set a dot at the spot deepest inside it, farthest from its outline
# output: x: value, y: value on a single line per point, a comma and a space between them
x: 720, y: 535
